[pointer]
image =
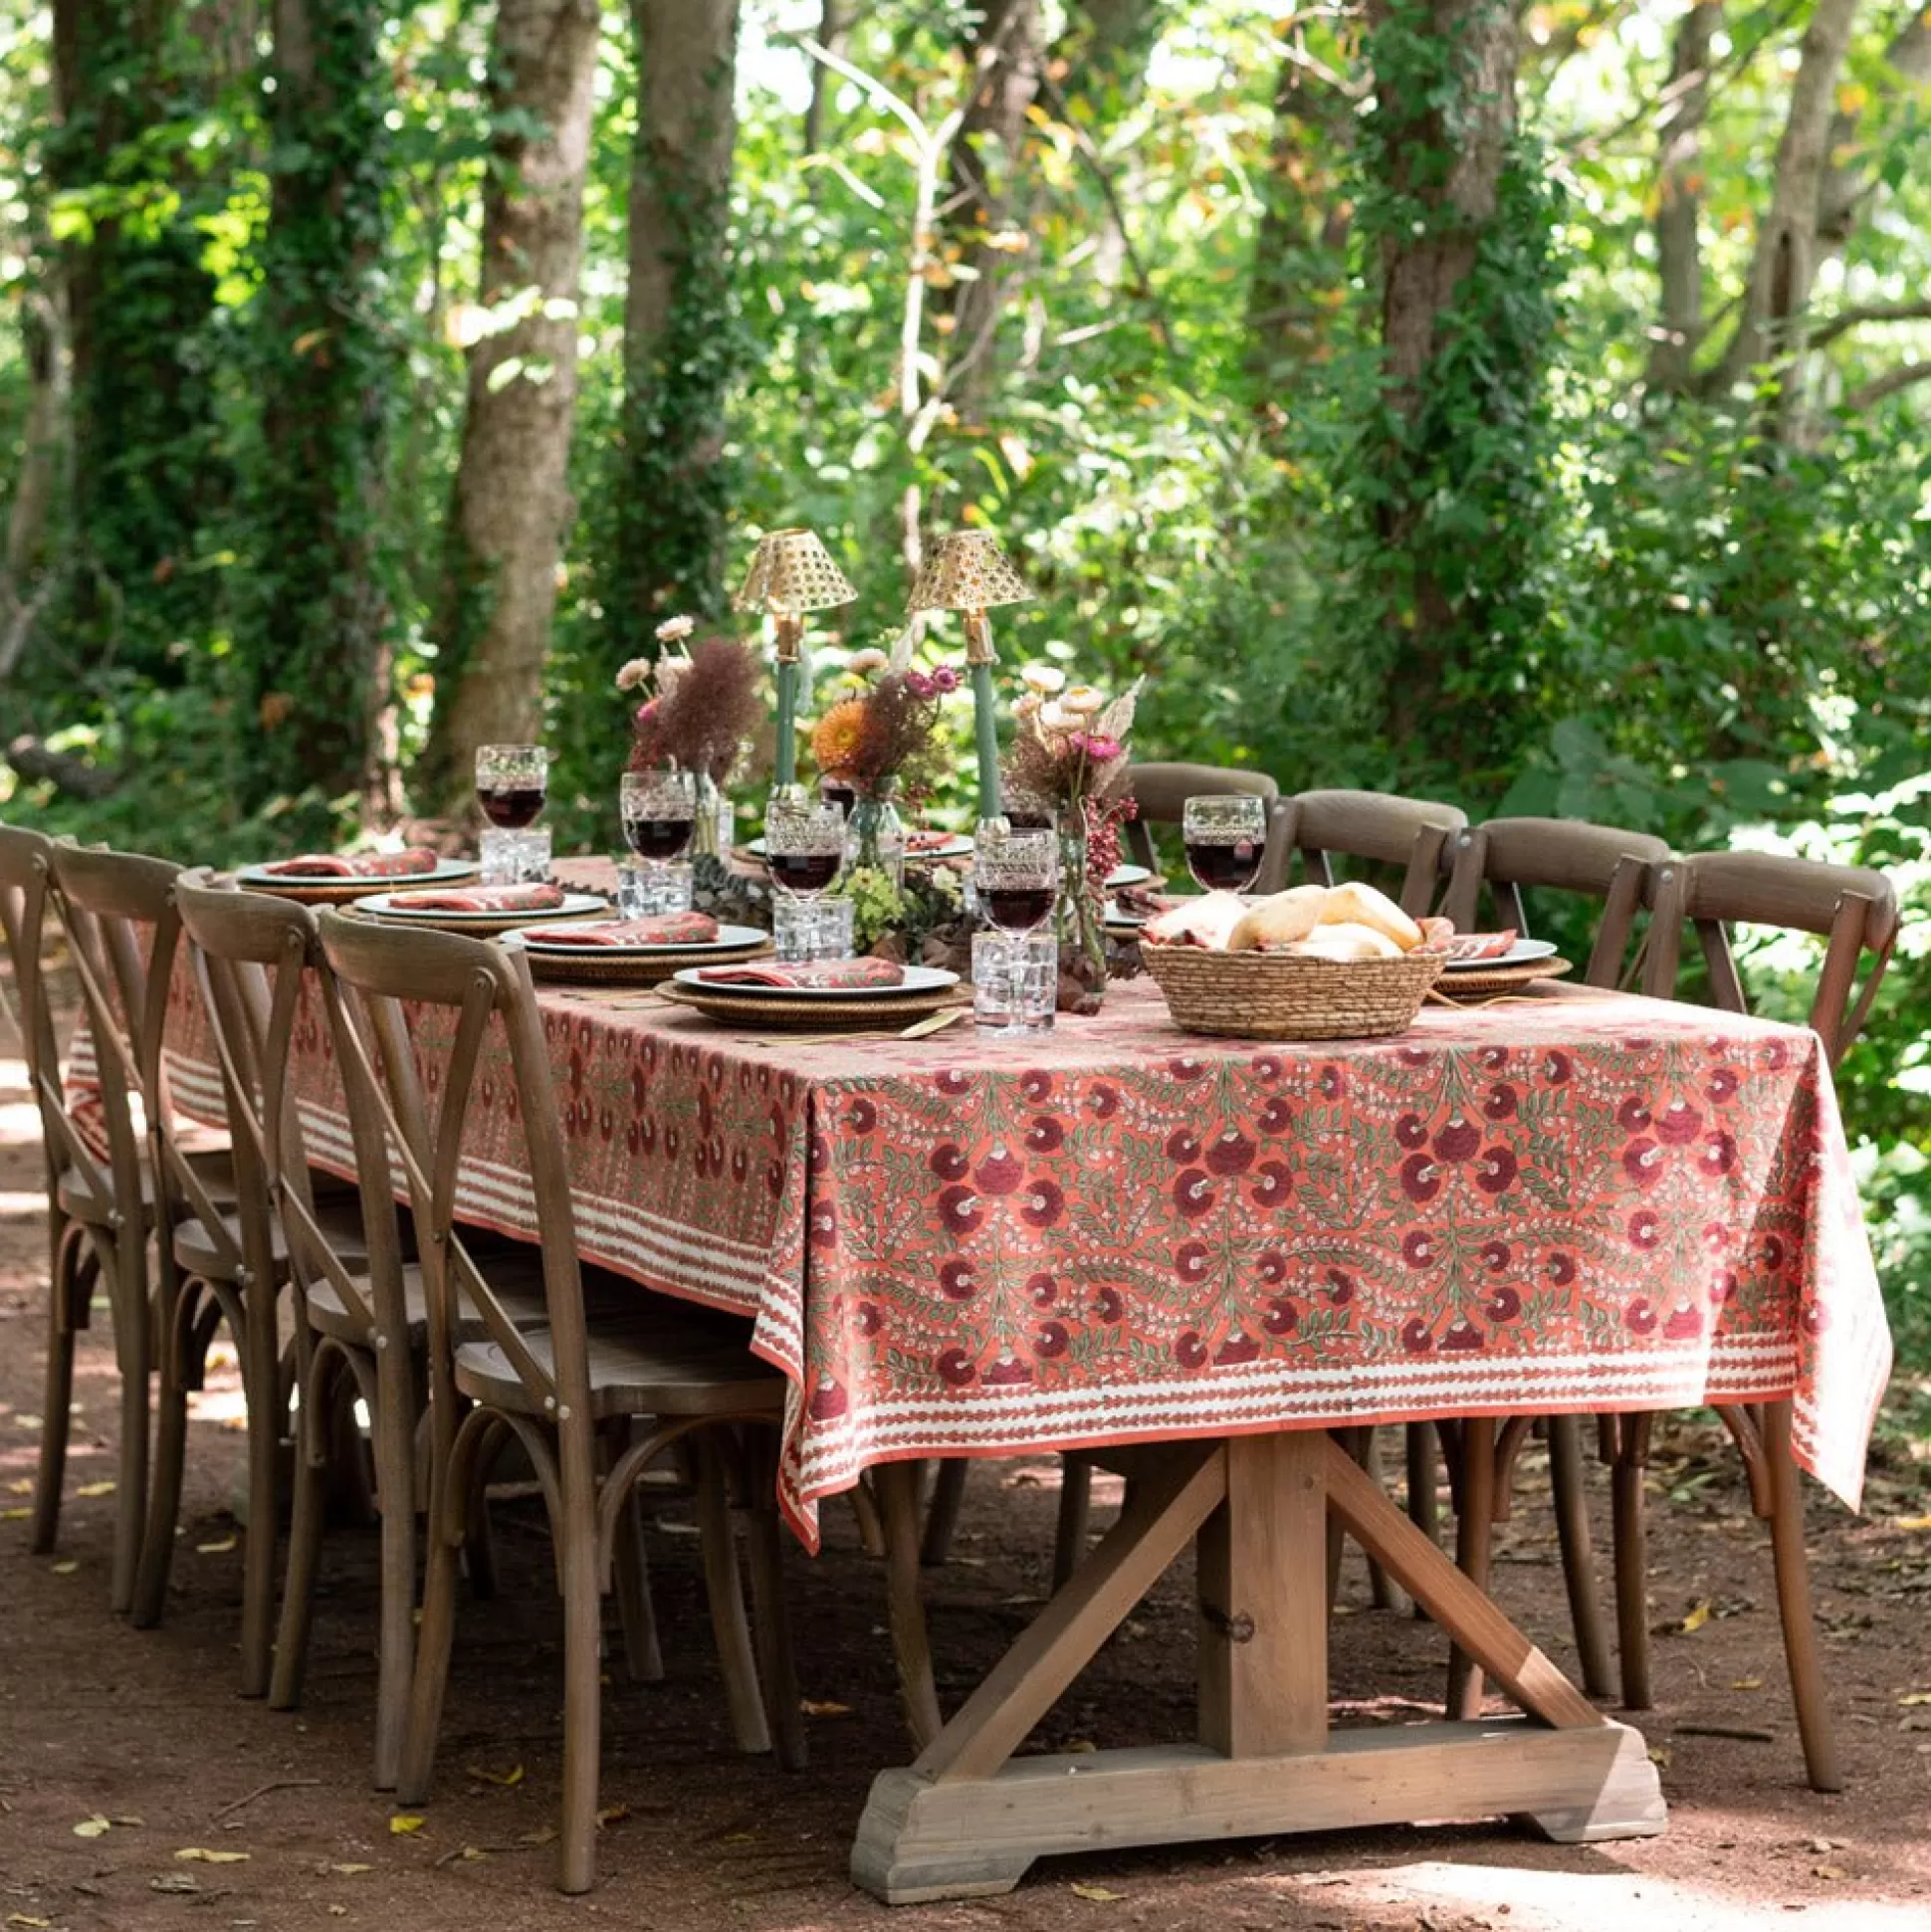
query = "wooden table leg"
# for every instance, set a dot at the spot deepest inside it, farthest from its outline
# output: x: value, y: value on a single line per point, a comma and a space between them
x: 898, y: 1485
x: 968, y: 1819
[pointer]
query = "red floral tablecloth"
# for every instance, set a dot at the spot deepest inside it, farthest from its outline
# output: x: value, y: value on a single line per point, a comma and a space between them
x: 1121, y: 1231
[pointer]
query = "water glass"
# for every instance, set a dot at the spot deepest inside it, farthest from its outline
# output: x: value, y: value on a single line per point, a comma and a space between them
x: 511, y: 787
x: 514, y: 858
x: 808, y: 930
x: 645, y: 889
x: 1015, y: 981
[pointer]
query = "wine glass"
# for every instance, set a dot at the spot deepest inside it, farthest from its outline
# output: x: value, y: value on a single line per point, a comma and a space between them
x: 1030, y: 811
x: 838, y: 791
x: 804, y: 843
x: 660, y: 810
x: 1224, y: 835
x: 1015, y: 873
x: 511, y: 784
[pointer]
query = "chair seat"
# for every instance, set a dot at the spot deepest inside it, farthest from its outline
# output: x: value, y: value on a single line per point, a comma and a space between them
x: 340, y: 1220
x: 215, y: 1169
x: 518, y: 1286
x: 676, y: 1363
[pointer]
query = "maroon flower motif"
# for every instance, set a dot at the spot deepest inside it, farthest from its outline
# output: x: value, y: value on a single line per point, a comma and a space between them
x: 1185, y: 1069
x: 775, y: 1177
x: 1045, y: 1204
x: 673, y: 1139
x: 1411, y: 1130
x: 1557, y: 1067
x: 1236, y: 1349
x: 1191, y: 1195
x: 1560, y: 1268
x: 1282, y: 1317
x: 1415, y: 1336
x: 1494, y: 1058
x: 1191, y: 1261
x: 1500, y: 1101
x: 1643, y: 1162
x: 956, y: 1280
x: 1497, y: 1173
x: 868, y: 1319
x: 818, y: 1151
x: 1190, y: 1350
x: 1639, y: 1318
x: 1773, y: 1252
x: 1420, y: 1177
x: 1719, y: 1155
x: 947, y: 1162
x: 1052, y: 1339
x: 1504, y: 1305
x: 1775, y: 1055
x: 1273, y: 1184
x: 1000, y: 1173
x: 1644, y: 1229
x: 1634, y: 1115
x: 861, y: 1116
x: 1415, y: 1056
x: 1037, y: 1084
x: 1043, y: 1289
x: 828, y: 1400
x: 825, y: 1224
x: 1271, y: 1267
x: 740, y: 1165
x: 1815, y: 1316
x: 1683, y: 1324
x: 1004, y: 1375
x: 1464, y: 1335
x: 1182, y: 1144
x: 1108, y: 1304
x: 1331, y: 1083
x: 1680, y: 1123
x: 958, y: 1208
x: 1266, y: 1066
x: 953, y: 1081
x: 1495, y: 1256
x: 1716, y: 1237
x: 1231, y: 1153
x: 1103, y: 1099
x: 1045, y: 1135
x: 1459, y: 1140
x: 1276, y: 1114
x: 1723, y: 1287
x: 955, y: 1366
x: 1418, y: 1249
x: 1341, y: 1287
x: 1722, y: 1084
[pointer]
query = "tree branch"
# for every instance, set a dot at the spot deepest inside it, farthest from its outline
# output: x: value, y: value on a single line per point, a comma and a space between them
x: 1906, y: 376
x: 1846, y: 320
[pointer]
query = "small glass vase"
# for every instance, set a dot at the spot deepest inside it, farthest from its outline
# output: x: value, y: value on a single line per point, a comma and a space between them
x: 1080, y: 924
x: 876, y: 840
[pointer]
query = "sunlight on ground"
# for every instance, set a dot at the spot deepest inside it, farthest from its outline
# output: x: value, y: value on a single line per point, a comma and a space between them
x: 1573, y: 1901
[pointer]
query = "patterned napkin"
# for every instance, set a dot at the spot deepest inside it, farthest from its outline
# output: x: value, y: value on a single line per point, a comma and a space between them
x: 662, y: 928
x: 1465, y: 947
x: 819, y: 973
x: 488, y: 899
x: 361, y: 865
x: 929, y: 841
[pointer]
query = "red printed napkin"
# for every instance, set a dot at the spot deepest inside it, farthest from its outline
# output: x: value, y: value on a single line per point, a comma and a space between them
x: 820, y: 973
x: 1477, y: 946
x: 660, y: 929
x: 361, y: 865
x: 487, y: 898
x: 928, y: 841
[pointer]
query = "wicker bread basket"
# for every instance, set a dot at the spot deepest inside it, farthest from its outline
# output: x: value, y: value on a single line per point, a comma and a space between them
x: 1288, y: 995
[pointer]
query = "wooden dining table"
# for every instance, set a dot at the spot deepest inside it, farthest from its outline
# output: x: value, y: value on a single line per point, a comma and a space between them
x: 1197, y: 1258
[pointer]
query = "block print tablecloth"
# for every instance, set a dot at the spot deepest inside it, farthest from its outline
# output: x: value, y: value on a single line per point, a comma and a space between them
x: 963, y: 1245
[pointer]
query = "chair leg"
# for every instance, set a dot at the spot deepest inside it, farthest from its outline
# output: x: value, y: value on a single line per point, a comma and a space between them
x: 1075, y: 1512
x: 776, y: 1661
x: 268, y: 1415
x: 1579, y: 1557
x: 1631, y: 1559
x: 394, y: 1444
x: 417, y: 1766
x: 1381, y: 1594
x: 65, y: 1308
x: 1472, y: 1537
x: 178, y: 1331
x: 643, y: 1655
x: 1419, y: 1441
x: 1794, y: 1604
x: 871, y: 1532
x: 132, y: 1319
x: 583, y: 1691
x: 329, y: 1392
x: 478, y: 1535
x: 724, y: 1585
x: 942, y: 1516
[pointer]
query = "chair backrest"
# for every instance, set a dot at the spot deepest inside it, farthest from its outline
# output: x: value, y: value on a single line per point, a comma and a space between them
x: 1851, y: 908
x: 1379, y: 827
x: 125, y: 933
x: 398, y: 997
x: 26, y: 867
x: 1595, y: 861
x: 1160, y: 792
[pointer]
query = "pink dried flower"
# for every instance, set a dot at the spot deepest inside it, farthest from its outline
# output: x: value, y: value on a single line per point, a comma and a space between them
x: 1101, y: 751
x: 919, y: 685
x: 944, y: 679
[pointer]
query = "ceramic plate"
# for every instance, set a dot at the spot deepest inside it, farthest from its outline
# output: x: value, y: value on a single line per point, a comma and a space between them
x: 447, y: 872
x: 1127, y: 875
x: 918, y: 979
x: 1520, y: 954
x: 731, y: 939
x: 574, y: 906
x: 957, y: 846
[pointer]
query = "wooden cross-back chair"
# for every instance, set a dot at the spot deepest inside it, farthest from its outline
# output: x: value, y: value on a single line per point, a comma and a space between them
x: 565, y: 1393
x: 1160, y: 792
x: 1408, y: 834
x: 1856, y: 911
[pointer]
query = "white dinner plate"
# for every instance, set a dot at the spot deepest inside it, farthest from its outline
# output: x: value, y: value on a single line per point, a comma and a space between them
x: 918, y: 979
x: 1520, y: 954
x: 731, y: 939
x: 957, y: 846
x: 574, y: 906
x: 1127, y: 875
x: 447, y: 872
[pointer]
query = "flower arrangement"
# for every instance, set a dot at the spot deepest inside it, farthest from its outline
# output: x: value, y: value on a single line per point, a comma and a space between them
x: 886, y: 734
x: 707, y: 703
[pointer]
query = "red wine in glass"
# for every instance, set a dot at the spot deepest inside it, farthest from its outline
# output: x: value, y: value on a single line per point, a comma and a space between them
x: 1224, y: 868
x: 1023, y: 821
x: 803, y: 872
x: 833, y: 794
x: 511, y: 807
x: 658, y: 840
x: 1017, y: 909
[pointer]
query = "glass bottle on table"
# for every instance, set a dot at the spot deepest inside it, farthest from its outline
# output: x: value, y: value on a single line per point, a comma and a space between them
x: 1016, y: 962
x: 659, y: 809
x: 805, y: 851
x: 1226, y: 835
x: 511, y: 788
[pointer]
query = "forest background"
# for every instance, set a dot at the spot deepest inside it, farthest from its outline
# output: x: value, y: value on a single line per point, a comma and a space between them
x: 1519, y: 405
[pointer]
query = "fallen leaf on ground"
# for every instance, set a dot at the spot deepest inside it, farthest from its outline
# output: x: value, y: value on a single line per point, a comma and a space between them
x: 21, y: 1486
x: 1917, y: 1697
x: 1658, y: 1754
x: 472, y: 1852
x: 611, y: 1814
x: 810, y: 1706
x: 92, y: 1828
x: 1097, y: 1894
x: 1830, y: 1845
x: 404, y: 1821
x: 1826, y: 1871
x: 1697, y: 1617
x: 349, y: 1872
x: 199, y: 1854
x: 543, y: 1835
x: 67, y: 1567
x: 1746, y: 1683
x: 1912, y: 1523
x: 513, y: 1775
x: 338, y: 1911
x: 226, y: 1544
x: 20, y: 1919
x: 96, y: 1488
x: 18, y: 1515
x: 173, y: 1881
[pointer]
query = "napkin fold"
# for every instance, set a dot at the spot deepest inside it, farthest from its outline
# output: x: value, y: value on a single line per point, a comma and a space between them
x: 1478, y: 945
x: 819, y: 973
x: 660, y: 929
x: 486, y: 899
x: 357, y: 865
x: 928, y: 841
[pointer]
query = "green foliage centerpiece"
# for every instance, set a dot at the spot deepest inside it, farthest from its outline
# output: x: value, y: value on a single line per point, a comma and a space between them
x: 1071, y: 753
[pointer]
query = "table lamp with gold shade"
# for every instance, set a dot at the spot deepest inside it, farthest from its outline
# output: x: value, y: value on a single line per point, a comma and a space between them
x: 792, y: 574
x: 968, y: 571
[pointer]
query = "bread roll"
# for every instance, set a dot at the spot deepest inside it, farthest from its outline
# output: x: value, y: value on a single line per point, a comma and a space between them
x: 1359, y: 905
x: 1207, y: 921
x: 1349, y: 941
x: 1281, y: 919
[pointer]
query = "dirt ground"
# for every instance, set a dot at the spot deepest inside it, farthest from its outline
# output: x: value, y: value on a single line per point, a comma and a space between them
x: 143, y: 1730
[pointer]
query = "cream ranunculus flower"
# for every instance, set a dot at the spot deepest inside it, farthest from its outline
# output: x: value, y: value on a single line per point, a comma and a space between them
x: 633, y: 673
x: 670, y: 670
x: 1082, y: 701
x: 1043, y: 678
x: 1055, y: 718
x: 864, y: 663
x: 673, y: 631
x: 1025, y: 705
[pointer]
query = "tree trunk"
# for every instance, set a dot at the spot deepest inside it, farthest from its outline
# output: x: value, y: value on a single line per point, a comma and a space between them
x: 312, y: 634
x: 512, y: 498
x: 1679, y: 253
x: 37, y: 484
x: 1444, y: 74
x: 1095, y: 75
x: 682, y: 346
x: 983, y: 167
x: 834, y: 35
x: 1783, y: 263
x: 1847, y: 179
